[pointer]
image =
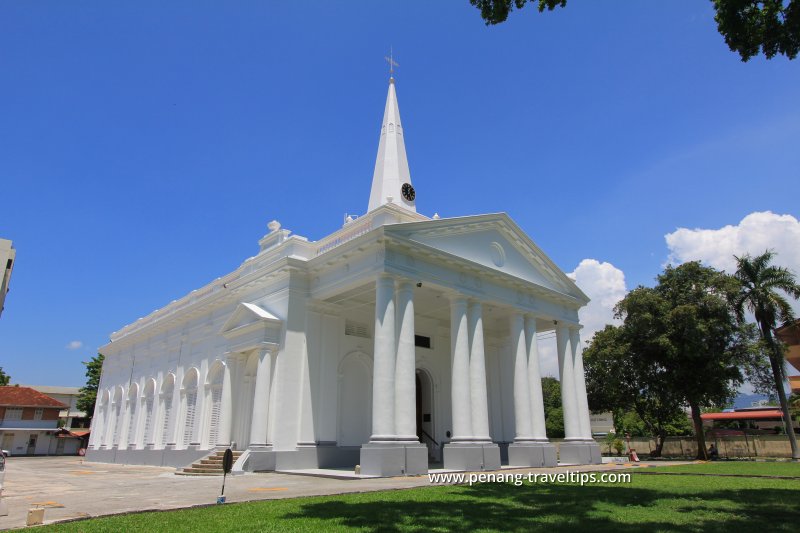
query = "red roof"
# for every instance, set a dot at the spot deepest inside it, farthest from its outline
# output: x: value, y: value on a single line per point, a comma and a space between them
x: 27, y: 397
x: 743, y: 415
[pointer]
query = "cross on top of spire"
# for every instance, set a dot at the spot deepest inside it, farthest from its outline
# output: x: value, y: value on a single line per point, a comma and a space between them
x: 391, y: 61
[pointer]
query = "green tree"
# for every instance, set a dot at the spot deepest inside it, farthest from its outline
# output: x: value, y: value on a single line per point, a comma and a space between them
x: 88, y: 393
x: 553, y: 412
x: 761, y: 282
x: 758, y: 370
x: 748, y: 26
x: 679, y: 344
x: 628, y: 383
x: 794, y: 404
x: 753, y: 26
x: 5, y: 379
x: 706, y: 346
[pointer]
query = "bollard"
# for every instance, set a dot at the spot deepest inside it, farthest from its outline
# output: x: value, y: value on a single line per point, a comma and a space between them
x: 358, y: 470
x: 35, y: 516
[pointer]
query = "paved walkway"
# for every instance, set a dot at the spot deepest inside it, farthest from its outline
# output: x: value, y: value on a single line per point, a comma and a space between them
x: 68, y: 487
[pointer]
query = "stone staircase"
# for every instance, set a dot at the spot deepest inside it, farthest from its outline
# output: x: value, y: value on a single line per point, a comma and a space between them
x: 211, y: 465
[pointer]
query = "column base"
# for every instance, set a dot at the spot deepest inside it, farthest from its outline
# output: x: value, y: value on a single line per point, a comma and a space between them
x: 260, y: 459
x: 387, y: 459
x: 532, y: 453
x: 471, y: 456
x: 579, y: 452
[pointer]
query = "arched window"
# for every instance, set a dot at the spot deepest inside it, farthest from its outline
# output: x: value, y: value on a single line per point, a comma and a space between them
x: 133, y: 426
x: 149, y: 404
x: 215, y: 389
x: 190, y: 405
x: 117, y: 414
x: 167, y: 389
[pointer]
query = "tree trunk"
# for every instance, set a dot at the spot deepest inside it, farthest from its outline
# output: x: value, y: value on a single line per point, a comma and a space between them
x: 776, y: 361
x: 660, y: 436
x: 702, y: 453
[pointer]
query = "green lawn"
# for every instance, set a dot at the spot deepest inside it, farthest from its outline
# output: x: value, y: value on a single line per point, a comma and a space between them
x: 744, y: 468
x: 649, y: 503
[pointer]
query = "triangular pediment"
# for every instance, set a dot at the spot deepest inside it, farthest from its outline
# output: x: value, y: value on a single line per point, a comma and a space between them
x: 495, y: 242
x: 249, y: 316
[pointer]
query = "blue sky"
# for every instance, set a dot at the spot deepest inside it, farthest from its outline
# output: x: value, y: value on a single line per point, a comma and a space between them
x: 144, y: 146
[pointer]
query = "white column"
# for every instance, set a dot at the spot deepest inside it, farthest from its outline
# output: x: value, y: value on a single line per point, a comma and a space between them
x: 405, y: 402
x: 539, y: 428
x: 459, y: 389
x: 384, y: 361
x: 580, y: 384
x: 522, y: 396
x: 98, y: 421
x: 258, y: 423
x: 226, y: 407
x: 479, y: 400
x: 567, y: 374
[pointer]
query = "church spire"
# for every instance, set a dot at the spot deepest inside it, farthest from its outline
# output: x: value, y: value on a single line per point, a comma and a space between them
x: 391, y: 181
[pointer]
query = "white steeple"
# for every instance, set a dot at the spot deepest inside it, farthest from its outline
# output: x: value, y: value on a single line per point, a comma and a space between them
x: 391, y: 166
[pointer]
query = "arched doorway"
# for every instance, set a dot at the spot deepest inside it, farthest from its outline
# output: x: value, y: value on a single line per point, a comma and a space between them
x: 426, y: 429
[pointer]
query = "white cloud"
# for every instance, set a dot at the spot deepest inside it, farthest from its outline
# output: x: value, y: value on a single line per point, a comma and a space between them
x: 74, y: 345
x: 605, y: 285
x: 755, y: 233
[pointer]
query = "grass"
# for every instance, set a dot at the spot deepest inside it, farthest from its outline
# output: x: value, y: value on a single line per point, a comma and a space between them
x: 652, y: 503
x: 742, y: 468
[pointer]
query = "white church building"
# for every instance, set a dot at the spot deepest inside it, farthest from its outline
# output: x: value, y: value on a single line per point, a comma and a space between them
x: 395, y: 342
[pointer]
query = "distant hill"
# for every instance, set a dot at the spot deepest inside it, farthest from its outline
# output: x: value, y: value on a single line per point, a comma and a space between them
x: 748, y: 400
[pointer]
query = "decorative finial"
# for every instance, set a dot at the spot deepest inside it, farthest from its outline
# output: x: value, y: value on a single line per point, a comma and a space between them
x: 392, y: 63
x: 274, y: 226
x: 436, y: 216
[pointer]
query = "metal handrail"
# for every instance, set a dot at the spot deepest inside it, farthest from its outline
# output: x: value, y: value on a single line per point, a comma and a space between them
x: 431, y: 438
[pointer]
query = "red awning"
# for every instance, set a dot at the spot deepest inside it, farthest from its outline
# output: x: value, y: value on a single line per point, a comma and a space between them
x: 743, y: 415
x: 75, y: 434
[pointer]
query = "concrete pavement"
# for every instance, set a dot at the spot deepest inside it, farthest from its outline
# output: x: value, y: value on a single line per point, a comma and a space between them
x: 69, y: 487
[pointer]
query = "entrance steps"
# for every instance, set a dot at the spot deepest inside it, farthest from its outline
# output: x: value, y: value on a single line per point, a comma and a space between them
x: 211, y: 465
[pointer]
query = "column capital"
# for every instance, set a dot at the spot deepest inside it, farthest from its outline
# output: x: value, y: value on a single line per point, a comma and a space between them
x: 386, y: 277
x: 403, y: 284
x: 457, y: 298
x: 474, y: 303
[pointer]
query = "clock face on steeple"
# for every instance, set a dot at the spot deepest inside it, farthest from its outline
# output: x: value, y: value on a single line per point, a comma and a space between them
x: 408, y: 192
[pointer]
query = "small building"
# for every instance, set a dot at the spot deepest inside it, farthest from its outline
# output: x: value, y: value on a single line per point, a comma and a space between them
x: 753, y: 419
x: 602, y: 423
x: 71, y: 417
x: 29, y: 423
x: 790, y: 335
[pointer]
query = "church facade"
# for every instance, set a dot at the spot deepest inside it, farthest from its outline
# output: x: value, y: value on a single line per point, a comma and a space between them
x: 397, y: 341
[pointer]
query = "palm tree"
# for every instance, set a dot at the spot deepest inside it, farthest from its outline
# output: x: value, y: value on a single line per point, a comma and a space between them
x: 760, y: 283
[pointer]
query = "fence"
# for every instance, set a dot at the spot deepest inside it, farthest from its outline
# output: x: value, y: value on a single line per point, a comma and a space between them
x: 739, y: 446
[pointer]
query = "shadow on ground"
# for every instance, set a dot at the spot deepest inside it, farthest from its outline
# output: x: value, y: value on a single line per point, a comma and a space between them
x: 503, y: 507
